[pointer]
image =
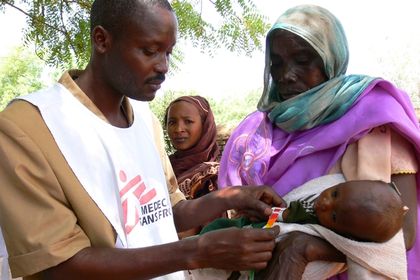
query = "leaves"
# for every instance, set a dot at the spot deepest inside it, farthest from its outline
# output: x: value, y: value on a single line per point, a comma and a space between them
x: 60, y: 30
x: 20, y: 73
x: 242, y: 28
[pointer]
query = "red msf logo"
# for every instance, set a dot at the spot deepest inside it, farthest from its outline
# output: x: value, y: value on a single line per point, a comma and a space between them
x: 132, y: 195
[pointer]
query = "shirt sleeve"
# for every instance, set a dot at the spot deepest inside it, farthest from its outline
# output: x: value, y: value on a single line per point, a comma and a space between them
x: 378, y: 155
x: 38, y: 224
x: 175, y: 194
x: 403, y: 159
x: 298, y: 214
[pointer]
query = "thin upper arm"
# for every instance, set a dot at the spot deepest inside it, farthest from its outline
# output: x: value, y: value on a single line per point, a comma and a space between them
x: 406, y: 183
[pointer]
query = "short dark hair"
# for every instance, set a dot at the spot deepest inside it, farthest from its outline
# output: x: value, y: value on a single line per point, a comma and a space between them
x: 112, y: 14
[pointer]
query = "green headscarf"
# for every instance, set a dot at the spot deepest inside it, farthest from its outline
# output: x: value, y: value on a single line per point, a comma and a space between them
x: 327, y: 101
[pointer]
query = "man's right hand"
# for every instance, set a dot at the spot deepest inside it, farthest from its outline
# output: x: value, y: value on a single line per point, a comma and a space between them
x: 235, y: 249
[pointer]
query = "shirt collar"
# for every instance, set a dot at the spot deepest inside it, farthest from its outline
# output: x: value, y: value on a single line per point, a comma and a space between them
x: 67, y: 80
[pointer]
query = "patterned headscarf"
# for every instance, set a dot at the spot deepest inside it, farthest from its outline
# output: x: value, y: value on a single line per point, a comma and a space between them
x: 327, y: 101
x: 206, y: 148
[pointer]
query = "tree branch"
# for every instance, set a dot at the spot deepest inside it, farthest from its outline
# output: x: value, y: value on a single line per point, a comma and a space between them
x: 32, y: 17
x: 66, y: 33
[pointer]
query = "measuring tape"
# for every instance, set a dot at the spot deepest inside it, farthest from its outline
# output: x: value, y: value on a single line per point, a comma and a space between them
x: 274, y: 217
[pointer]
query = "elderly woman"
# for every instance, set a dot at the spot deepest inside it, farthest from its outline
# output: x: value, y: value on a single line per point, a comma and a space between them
x: 314, y: 120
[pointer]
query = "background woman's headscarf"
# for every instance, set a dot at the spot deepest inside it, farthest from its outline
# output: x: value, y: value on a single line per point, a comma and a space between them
x: 206, y: 148
x: 329, y: 100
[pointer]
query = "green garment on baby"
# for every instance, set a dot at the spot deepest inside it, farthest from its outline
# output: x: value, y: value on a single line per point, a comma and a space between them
x: 227, y: 223
x: 299, y: 214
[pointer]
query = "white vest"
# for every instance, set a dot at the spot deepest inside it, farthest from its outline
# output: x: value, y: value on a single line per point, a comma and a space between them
x: 4, y: 264
x: 120, y: 168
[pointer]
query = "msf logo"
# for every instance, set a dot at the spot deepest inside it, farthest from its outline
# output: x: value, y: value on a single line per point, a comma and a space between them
x: 133, y: 194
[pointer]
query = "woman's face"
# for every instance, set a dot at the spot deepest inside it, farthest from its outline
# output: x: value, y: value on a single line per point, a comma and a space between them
x: 184, y: 125
x: 295, y: 66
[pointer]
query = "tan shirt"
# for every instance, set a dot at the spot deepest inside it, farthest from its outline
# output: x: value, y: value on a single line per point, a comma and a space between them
x: 45, y: 214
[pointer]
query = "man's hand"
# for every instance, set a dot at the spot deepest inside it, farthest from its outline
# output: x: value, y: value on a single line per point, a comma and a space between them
x: 236, y: 249
x: 254, y: 202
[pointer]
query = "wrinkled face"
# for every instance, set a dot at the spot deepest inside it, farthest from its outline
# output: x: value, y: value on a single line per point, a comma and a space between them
x: 138, y: 59
x: 338, y: 208
x: 184, y: 125
x: 295, y: 66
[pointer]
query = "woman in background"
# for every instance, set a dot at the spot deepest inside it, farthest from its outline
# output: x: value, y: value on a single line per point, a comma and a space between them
x: 192, y: 131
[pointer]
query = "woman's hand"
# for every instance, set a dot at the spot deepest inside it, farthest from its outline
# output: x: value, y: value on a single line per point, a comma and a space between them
x: 254, y: 202
x: 235, y: 249
x: 293, y: 252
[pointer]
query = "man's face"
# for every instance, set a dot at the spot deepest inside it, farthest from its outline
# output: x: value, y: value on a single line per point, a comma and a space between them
x: 295, y: 66
x: 138, y: 59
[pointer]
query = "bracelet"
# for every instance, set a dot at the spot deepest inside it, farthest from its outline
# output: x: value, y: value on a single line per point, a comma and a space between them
x: 280, y: 215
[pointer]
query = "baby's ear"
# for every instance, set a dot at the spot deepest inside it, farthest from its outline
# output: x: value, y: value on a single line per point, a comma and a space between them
x: 405, y: 209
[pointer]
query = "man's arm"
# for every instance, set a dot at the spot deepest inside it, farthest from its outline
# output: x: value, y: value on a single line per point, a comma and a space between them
x: 231, y: 249
x: 252, y: 201
x: 110, y: 263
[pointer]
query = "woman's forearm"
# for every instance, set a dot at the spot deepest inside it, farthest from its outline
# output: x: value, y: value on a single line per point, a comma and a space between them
x: 319, y: 249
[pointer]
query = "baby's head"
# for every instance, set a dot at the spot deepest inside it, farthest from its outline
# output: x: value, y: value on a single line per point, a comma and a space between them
x: 362, y: 210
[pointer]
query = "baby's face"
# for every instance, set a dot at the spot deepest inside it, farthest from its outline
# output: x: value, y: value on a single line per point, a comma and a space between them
x: 338, y: 208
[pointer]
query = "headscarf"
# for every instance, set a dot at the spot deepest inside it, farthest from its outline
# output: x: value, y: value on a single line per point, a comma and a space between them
x: 206, y: 148
x: 259, y: 153
x: 327, y: 101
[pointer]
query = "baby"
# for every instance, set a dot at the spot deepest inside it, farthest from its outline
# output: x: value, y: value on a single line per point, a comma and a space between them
x: 361, y: 210
x: 369, y: 211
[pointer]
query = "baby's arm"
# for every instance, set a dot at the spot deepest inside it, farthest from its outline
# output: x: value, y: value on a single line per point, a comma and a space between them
x: 295, y: 213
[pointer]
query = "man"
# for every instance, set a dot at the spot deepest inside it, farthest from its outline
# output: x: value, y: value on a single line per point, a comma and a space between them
x: 86, y: 187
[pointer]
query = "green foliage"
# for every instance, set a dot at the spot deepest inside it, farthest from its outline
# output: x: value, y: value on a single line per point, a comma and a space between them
x: 239, y: 28
x: 59, y: 29
x: 20, y: 73
x: 231, y: 110
x: 228, y: 111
